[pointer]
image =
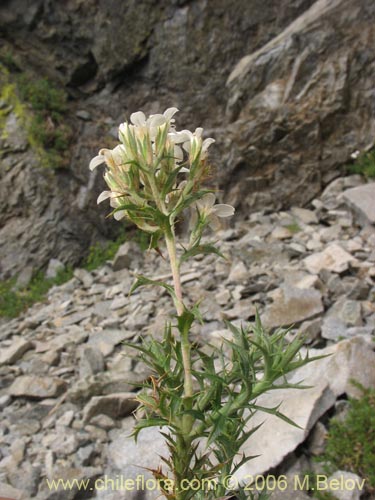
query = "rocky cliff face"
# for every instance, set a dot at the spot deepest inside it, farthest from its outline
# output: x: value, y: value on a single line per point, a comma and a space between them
x: 284, y: 86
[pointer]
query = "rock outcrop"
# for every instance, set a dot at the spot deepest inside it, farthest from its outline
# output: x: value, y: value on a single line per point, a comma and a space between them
x: 285, y: 88
x: 300, y: 104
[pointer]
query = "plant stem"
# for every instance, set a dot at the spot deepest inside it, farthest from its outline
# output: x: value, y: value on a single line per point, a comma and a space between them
x: 171, y: 247
x: 185, y: 343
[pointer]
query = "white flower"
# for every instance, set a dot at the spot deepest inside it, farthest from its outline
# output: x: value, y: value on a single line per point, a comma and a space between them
x: 211, y: 212
x: 114, y: 198
x: 150, y: 124
x: 114, y: 202
x: 194, y: 144
x: 111, y: 157
x: 138, y: 168
x: 104, y: 196
x: 355, y: 155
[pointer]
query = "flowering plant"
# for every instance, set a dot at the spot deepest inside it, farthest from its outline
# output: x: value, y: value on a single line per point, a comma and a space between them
x: 202, y: 402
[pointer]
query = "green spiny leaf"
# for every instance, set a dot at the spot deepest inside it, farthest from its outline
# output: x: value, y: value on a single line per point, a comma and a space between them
x: 204, y: 249
x: 143, y: 281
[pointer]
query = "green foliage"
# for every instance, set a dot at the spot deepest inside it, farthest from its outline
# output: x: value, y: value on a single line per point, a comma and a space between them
x: 351, y: 443
x: 13, y: 302
x: 293, y: 227
x: 41, y: 107
x: 42, y: 96
x: 142, y: 239
x: 364, y: 165
x: 314, y: 488
x: 223, y: 402
x: 47, y: 132
x: 7, y: 59
x: 99, y: 254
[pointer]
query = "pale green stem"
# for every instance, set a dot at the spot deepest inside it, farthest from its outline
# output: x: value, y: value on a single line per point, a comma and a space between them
x: 171, y: 247
x: 185, y: 344
x: 159, y: 202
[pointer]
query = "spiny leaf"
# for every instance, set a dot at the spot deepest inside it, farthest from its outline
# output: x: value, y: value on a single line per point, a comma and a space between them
x: 143, y: 280
x: 149, y: 422
x: 274, y: 411
x: 204, y: 249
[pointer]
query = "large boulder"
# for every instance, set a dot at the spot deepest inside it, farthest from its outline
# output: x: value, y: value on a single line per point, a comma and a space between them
x: 300, y: 105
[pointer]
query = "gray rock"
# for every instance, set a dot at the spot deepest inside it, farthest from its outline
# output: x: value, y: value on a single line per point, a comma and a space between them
x: 223, y: 297
x: 37, y: 387
x: 4, y: 401
x: 102, y: 309
x: 119, y: 302
x: 91, y: 361
x: 15, y: 351
x: 281, y: 233
x: 295, y: 249
x: 84, y: 276
x: 103, y: 421
x: 334, y: 258
x: 292, y: 305
x: 11, y: 493
x: 106, y: 340
x: 311, y: 329
x: 65, y: 443
x: 15, y: 134
x: 73, y: 319
x: 73, y: 474
x: 238, y: 273
x: 361, y: 199
x: 355, y: 331
x: 84, y: 455
x: 335, y: 284
x: 54, y: 267
x: 274, y: 84
x: 267, y: 80
x: 66, y: 419
x: 24, y: 277
x: 113, y: 405
x: 347, y: 311
x: 83, y: 115
x: 99, y: 384
x: 243, y: 309
x: 345, y: 485
x: 334, y: 329
x: 360, y: 290
x: 304, y: 215
x: 97, y: 434
x: 126, y: 456
x: 17, y: 450
x: 128, y: 255
x: 61, y: 341
x: 317, y: 439
x: 331, y: 233
x: 26, y: 478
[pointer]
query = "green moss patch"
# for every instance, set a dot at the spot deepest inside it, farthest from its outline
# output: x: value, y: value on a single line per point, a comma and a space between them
x: 13, y: 302
x: 41, y: 108
x: 350, y: 443
x: 364, y: 165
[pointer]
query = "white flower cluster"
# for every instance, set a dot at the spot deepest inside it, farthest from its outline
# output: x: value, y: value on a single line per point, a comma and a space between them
x: 144, y: 170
